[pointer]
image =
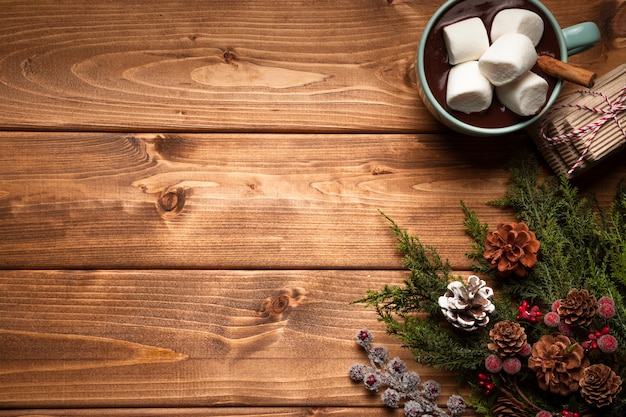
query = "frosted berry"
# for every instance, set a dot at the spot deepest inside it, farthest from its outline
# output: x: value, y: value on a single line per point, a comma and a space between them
x: 396, y: 366
x: 456, y: 405
x: 493, y: 363
x: 606, y: 308
x: 372, y: 382
x: 565, y: 329
x: 607, y: 343
x: 606, y: 300
x: 364, y: 337
x: 552, y: 319
x: 409, y: 381
x: 378, y: 355
x: 526, y: 350
x: 511, y: 366
x: 413, y: 409
x: 391, y: 398
x: 357, y: 372
x: 431, y: 389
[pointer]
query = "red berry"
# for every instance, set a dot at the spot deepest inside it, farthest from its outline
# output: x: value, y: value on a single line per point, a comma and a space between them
x: 552, y: 319
x: 512, y: 366
x: 606, y: 311
x: 493, y: 364
x: 607, y: 343
x: 526, y: 350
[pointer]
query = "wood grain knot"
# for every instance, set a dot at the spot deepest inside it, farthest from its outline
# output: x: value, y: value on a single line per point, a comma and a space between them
x: 171, y: 202
x: 279, y: 304
x: 381, y: 171
x: 276, y: 307
x: 229, y: 56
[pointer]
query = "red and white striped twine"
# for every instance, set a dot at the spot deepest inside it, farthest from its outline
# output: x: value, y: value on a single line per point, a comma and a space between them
x: 610, y: 113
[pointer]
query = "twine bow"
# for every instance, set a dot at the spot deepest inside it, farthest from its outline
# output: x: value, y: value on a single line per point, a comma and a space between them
x: 611, y: 112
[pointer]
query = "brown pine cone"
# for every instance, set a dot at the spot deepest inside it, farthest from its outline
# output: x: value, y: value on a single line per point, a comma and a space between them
x: 507, y: 338
x: 578, y: 308
x: 505, y: 407
x: 599, y: 385
x: 512, y: 248
x: 558, y: 362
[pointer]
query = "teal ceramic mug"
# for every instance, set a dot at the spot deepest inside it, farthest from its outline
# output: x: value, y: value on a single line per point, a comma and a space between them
x: 432, y: 64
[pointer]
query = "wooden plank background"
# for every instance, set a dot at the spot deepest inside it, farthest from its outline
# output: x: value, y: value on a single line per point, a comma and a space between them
x: 190, y: 196
x: 212, y: 201
x: 92, y: 200
x: 193, y: 338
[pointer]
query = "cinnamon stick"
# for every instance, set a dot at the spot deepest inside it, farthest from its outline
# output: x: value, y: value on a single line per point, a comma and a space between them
x: 565, y: 71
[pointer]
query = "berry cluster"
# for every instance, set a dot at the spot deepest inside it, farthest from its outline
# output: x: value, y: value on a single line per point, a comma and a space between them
x: 528, y: 313
x: 486, y: 382
x: 401, y: 383
x: 579, y: 329
x: 599, y: 339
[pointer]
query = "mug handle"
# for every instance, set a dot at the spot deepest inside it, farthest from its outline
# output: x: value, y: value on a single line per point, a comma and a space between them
x: 580, y: 37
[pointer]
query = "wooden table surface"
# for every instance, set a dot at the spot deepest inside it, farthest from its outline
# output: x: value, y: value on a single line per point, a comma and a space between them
x: 190, y: 196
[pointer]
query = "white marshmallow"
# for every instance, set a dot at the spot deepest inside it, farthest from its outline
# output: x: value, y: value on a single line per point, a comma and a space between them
x: 524, y: 96
x: 468, y: 91
x: 508, y: 58
x: 517, y: 21
x: 466, y: 40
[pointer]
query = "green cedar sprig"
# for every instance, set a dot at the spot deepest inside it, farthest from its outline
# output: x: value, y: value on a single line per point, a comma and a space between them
x: 412, y: 312
x: 429, y: 279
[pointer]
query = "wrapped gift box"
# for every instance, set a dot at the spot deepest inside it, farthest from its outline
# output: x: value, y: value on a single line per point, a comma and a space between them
x: 585, y: 127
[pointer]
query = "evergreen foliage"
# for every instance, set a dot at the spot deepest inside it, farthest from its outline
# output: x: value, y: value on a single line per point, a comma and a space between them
x: 583, y: 246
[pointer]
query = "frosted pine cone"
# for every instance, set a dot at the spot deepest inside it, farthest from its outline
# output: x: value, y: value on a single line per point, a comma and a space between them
x: 467, y: 306
x: 507, y: 338
x: 578, y: 308
x: 599, y: 385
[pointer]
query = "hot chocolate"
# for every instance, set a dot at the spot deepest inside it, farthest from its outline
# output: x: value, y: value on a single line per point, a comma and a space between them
x: 437, y: 67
